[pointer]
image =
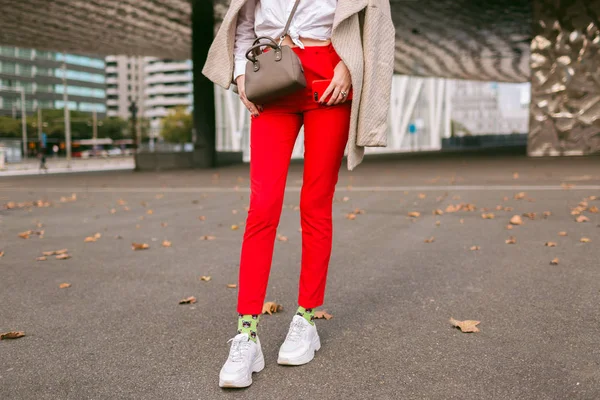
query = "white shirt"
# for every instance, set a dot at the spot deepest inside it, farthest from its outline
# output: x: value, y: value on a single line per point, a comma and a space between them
x: 313, y: 20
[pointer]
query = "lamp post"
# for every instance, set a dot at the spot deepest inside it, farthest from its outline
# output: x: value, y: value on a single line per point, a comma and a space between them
x: 67, y: 114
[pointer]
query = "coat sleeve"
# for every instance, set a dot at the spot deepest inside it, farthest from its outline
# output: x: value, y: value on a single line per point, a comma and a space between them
x: 220, y: 60
x: 379, y: 43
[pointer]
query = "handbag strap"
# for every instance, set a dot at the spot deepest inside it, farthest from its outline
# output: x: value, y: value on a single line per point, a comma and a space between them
x: 289, y: 22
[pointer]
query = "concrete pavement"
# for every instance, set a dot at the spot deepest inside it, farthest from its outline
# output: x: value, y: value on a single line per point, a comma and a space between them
x: 119, y: 333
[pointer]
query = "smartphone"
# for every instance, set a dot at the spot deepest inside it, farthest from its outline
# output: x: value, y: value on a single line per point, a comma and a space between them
x: 320, y: 86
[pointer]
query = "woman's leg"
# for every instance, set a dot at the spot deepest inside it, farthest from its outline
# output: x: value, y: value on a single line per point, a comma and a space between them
x: 325, y: 137
x: 273, y: 135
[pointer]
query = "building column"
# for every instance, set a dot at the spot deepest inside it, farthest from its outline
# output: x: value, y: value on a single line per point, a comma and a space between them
x: 565, y: 85
x: 203, y: 23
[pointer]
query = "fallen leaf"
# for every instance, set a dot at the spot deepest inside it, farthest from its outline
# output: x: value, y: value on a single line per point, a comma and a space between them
x: 65, y: 285
x: 149, y: 212
x: 166, y: 243
x: 554, y: 262
x: 202, y: 218
x: 592, y: 198
x: 511, y: 240
x: 25, y: 235
x: 159, y: 196
x: 113, y: 211
x: 466, y: 326
x: 43, y: 258
x: 139, y: 246
x: 121, y: 202
x: 516, y: 220
x: 282, y: 238
x: 594, y: 209
x: 63, y: 256
x: 205, y: 278
x: 68, y: 199
x: 414, y: 214
x: 207, y: 238
x: 520, y: 196
x: 358, y: 211
x: 271, y: 307
x: 550, y: 244
x: 488, y: 216
x: 546, y: 214
x: 451, y: 208
x: 164, y: 224
x: 508, y: 209
x: 509, y: 227
x: 232, y: 286
x: 234, y: 227
x: 585, y: 240
x: 516, y: 175
x: 351, y: 216
x: 234, y: 211
x: 462, y: 221
x: 474, y: 248
x: 346, y: 199
x: 582, y: 218
x: 11, y: 335
x: 530, y: 215
x: 562, y: 233
x: 422, y: 196
x: 438, y: 223
x: 89, y: 239
x: 430, y: 240
x: 189, y: 300
x: 438, y: 212
x: 323, y: 315
x: 1, y: 254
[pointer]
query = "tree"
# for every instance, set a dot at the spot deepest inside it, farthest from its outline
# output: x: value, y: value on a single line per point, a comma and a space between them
x: 177, y: 126
x: 112, y: 127
x: 10, y: 127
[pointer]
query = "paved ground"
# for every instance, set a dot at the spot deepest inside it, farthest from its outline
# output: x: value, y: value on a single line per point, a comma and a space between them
x: 119, y: 333
x: 61, y: 166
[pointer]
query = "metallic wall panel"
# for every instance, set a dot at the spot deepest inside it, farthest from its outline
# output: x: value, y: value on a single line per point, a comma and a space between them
x: 565, y: 64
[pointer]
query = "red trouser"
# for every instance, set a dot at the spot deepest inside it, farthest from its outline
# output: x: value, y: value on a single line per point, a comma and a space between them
x: 273, y: 134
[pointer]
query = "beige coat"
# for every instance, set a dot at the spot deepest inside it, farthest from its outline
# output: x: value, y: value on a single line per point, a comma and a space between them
x: 364, y: 37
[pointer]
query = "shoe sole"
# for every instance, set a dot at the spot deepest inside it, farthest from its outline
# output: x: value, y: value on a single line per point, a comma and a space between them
x: 304, y: 358
x: 259, y: 365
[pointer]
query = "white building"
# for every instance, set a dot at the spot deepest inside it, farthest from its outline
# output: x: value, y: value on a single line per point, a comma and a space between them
x: 168, y: 84
x: 124, y: 83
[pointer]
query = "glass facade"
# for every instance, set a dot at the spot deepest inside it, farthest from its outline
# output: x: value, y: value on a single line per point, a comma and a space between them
x: 38, y: 72
x: 80, y: 76
x: 101, y: 108
x: 81, y: 91
x: 80, y: 60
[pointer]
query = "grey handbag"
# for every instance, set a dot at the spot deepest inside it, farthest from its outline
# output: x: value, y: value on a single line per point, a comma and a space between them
x: 275, y: 73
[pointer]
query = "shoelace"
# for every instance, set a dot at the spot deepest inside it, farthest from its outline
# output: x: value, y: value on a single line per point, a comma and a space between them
x: 238, y: 349
x: 296, y: 330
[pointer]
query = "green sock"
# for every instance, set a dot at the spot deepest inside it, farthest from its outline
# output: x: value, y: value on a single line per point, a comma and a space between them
x: 249, y: 324
x: 307, y: 313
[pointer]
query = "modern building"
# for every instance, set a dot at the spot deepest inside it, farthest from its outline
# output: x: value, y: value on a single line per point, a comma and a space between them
x: 43, y: 76
x: 168, y: 84
x: 124, y: 84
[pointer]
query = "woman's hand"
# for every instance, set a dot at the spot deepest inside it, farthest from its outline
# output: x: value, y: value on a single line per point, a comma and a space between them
x: 241, y: 84
x: 341, y: 83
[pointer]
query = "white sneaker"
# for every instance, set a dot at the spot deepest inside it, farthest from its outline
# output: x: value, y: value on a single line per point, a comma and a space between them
x: 245, y: 357
x: 300, y: 343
